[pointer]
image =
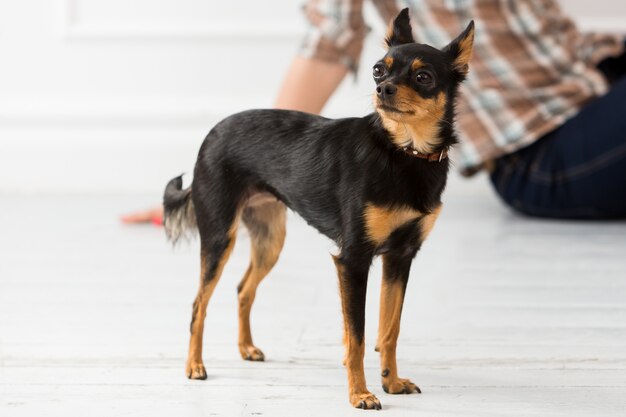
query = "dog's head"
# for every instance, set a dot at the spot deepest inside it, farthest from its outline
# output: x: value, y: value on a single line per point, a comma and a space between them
x: 416, y: 85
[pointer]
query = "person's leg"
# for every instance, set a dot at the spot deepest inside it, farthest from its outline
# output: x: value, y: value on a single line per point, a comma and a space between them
x: 577, y: 171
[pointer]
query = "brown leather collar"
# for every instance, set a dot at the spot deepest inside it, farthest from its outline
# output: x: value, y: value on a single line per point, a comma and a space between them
x: 431, y: 157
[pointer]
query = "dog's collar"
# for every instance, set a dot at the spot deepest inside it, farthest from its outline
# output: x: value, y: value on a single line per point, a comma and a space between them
x: 431, y: 157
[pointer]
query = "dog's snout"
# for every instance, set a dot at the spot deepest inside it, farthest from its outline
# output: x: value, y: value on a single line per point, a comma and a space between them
x: 390, y: 89
x: 386, y: 90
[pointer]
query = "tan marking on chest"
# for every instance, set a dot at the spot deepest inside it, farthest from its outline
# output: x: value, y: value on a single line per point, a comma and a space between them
x: 380, y: 221
x: 428, y: 222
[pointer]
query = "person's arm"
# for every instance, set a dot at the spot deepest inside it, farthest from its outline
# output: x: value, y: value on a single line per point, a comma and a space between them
x: 308, y: 84
x: 331, y: 49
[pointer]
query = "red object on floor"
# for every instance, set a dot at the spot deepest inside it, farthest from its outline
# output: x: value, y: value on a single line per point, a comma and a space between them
x: 157, y: 220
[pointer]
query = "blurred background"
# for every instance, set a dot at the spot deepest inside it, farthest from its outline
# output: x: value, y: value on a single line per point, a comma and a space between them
x: 116, y: 96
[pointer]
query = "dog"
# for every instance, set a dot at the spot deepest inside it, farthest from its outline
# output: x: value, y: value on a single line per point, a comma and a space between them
x: 371, y: 184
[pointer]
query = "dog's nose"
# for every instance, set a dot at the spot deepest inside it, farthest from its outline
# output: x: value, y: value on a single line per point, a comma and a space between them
x: 386, y: 90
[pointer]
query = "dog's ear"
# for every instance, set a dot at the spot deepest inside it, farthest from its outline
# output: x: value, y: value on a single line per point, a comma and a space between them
x: 461, y: 49
x: 400, y: 31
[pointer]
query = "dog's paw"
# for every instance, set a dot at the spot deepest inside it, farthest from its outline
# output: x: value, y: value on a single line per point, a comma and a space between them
x: 195, y: 370
x: 251, y: 353
x: 400, y: 386
x: 365, y: 400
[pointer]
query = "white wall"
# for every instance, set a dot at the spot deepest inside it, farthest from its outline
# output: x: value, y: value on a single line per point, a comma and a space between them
x: 117, y: 95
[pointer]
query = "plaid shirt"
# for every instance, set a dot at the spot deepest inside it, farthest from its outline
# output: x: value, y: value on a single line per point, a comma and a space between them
x: 531, y: 68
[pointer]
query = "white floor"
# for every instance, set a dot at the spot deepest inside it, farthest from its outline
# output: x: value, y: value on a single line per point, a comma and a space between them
x: 505, y: 316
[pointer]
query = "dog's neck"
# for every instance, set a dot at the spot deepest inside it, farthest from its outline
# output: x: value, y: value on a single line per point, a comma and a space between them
x: 418, y: 135
x: 426, y: 135
x: 422, y: 130
x: 432, y: 157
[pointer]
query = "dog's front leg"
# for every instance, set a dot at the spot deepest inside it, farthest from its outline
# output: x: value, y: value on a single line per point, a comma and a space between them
x: 353, y: 286
x: 395, y: 276
x: 396, y: 267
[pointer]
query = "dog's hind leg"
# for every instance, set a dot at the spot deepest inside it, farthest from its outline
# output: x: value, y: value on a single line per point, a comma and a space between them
x: 266, y: 225
x: 217, y: 238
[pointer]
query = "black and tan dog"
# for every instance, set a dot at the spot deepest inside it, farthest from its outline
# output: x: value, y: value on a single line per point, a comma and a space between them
x: 371, y: 184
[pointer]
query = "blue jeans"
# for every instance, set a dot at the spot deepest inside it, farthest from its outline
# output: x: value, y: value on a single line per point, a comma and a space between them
x: 578, y: 171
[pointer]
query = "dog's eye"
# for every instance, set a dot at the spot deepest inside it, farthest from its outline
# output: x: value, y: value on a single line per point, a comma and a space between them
x: 379, y: 71
x: 424, y: 77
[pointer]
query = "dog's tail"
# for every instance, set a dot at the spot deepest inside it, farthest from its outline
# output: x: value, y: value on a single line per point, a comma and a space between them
x: 179, y: 217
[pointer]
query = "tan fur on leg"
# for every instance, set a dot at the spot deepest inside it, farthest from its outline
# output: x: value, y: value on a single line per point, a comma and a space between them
x: 195, y: 367
x: 391, y: 300
x: 266, y: 224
